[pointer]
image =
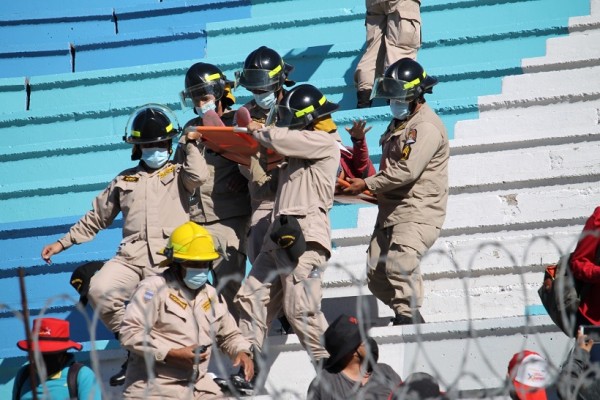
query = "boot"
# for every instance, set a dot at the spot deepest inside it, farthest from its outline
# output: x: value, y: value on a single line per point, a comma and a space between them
x: 407, y: 319
x: 118, y: 379
x: 364, y: 99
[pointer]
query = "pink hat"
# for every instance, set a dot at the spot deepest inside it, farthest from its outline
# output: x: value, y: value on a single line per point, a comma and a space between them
x: 53, y: 336
x: 528, y: 372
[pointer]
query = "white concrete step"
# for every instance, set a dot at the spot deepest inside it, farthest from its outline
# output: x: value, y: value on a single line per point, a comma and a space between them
x: 527, y: 126
x: 543, y: 88
x: 577, y: 50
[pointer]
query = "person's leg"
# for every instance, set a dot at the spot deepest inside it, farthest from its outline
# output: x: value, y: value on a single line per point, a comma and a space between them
x: 230, y: 236
x: 302, y: 294
x: 409, y: 242
x: 375, y: 23
x: 110, y: 288
x: 377, y: 281
x: 403, y: 35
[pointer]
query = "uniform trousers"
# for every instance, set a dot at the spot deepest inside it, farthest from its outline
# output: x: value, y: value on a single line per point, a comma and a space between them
x: 393, y: 271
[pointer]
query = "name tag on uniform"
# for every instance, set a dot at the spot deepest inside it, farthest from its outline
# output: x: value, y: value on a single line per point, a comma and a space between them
x: 178, y: 301
x: 166, y: 171
x: 130, y: 178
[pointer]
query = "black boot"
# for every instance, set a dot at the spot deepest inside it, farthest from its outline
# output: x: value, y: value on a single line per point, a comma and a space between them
x: 363, y: 99
x: 118, y: 379
x: 407, y: 319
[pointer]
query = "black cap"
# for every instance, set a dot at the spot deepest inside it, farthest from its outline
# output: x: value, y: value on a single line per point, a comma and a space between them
x: 286, y: 232
x: 81, y: 277
x: 342, y: 337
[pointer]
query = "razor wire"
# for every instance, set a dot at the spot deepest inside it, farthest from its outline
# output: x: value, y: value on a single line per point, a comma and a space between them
x: 420, y: 336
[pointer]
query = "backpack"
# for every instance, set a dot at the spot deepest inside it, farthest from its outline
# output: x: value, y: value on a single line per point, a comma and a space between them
x: 561, y: 294
x: 71, y: 380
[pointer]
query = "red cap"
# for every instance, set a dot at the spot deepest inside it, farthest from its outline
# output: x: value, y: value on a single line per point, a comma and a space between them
x: 528, y: 372
x: 50, y: 335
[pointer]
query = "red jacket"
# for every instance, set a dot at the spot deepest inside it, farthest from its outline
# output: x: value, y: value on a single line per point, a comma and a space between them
x: 355, y: 162
x: 585, y: 267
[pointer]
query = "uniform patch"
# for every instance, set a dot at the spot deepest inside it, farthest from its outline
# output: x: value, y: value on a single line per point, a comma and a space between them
x: 166, y: 171
x: 411, y: 136
x: 208, y: 304
x: 148, y: 295
x: 405, y: 152
x: 178, y: 301
x: 129, y: 178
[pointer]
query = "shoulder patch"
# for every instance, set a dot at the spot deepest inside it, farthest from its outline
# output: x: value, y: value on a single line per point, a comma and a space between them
x: 178, y: 301
x: 148, y: 295
x: 411, y: 136
x: 130, y: 178
x: 166, y: 171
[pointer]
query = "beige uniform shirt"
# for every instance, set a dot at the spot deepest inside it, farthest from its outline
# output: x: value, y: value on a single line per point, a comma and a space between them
x: 214, y: 200
x: 412, y: 184
x: 164, y: 314
x: 306, y: 180
x: 152, y: 203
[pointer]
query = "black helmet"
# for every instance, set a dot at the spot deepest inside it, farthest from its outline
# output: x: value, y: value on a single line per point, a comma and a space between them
x: 151, y: 123
x: 403, y: 80
x: 264, y: 69
x: 202, y: 79
x: 301, y: 106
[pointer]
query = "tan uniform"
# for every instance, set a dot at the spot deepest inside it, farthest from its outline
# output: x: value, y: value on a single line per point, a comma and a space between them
x: 164, y: 314
x: 225, y: 213
x: 412, y: 192
x: 305, y: 190
x: 153, y: 204
x: 262, y: 186
x: 393, y: 32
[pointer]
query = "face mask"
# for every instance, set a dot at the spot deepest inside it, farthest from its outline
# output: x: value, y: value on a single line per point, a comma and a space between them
x: 265, y: 100
x: 399, y: 109
x: 155, y: 157
x: 206, y: 107
x: 195, y: 277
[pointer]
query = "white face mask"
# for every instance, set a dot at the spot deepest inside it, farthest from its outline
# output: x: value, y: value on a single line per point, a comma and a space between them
x: 155, y: 157
x: 264, y: 100
x: 206, y: 107
x: 399, y: 109
x: 195, y: 278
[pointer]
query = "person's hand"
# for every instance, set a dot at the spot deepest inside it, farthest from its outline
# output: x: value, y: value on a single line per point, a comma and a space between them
x: 357, y: 186
x: 245, y: 361
x: 184, y: 357
x: 50, y: 250
x: 253, y: 126
x: 359, y: 129
x: 583, y: 342
x: 193, y: 134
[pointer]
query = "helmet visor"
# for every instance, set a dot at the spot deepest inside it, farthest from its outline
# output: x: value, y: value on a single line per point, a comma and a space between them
x: 259, y: 79
x: 191, y: 96
x: 291, y: 118
x: 390, y: 88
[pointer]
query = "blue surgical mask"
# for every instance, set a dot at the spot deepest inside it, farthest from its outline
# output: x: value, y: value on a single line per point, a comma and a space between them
x: 399, y: 109
x: 206, y: 107
x: 155, y: 157
x: 195, y: 278
x: 265, y: 100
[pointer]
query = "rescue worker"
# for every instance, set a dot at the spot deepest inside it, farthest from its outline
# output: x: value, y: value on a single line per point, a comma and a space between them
x: 153, y: 198
x: 222, y: 203
x: 287, y: 272
x: 393, y: 32
x: 174, y: 322
x: 264, y: 74
x: 411, y: 188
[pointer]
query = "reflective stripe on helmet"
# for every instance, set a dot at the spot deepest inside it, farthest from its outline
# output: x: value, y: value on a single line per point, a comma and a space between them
x: 415, y: 82
x: 310, y: 108
x: 274, y: 71
x: 136, y: 133
x: 169, y: 128
x: 213, y: 77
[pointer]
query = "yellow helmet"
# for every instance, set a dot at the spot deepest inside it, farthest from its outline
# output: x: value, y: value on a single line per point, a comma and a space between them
x: 192, y: 242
